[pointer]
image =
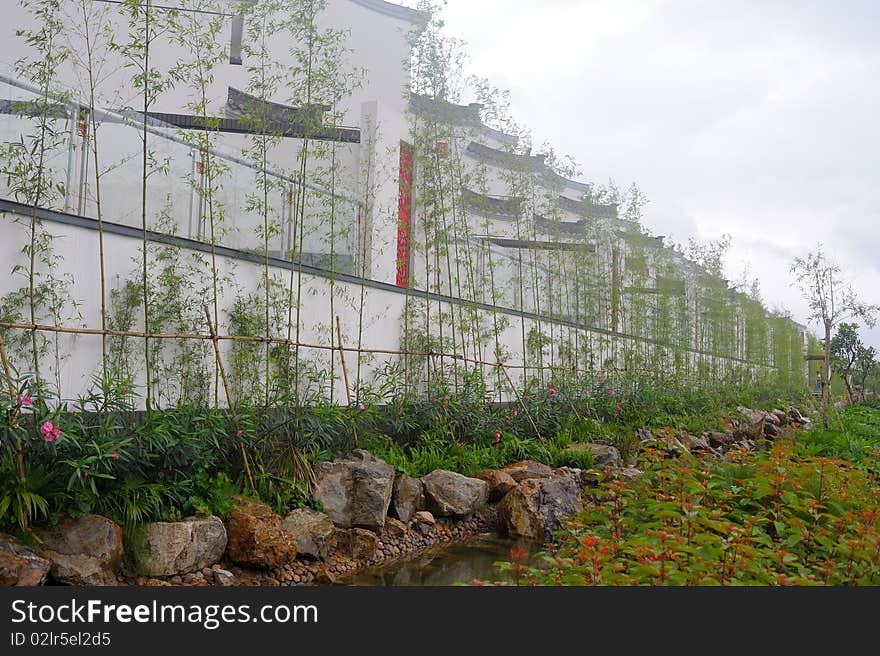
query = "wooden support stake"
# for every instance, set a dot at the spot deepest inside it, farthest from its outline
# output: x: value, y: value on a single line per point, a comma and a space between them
x: 13, y: 397
x: 216, y: 343
x: 354, y: 429
x: 519, y: 398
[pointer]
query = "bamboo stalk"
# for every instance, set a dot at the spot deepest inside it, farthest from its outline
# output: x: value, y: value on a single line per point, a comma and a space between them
x: 345, y: 376
x: 519, y: 398
x: 216, y: 343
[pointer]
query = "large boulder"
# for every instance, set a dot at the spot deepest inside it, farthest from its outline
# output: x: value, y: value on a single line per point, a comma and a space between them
x: 753, y: 426
x: 538, y: 507
x: 257, y: 537
x: 603, y: 455
x: 408, y: 497
x: 500, y: 483
x: 355, y: 490
x: 20, y: 565
x: 169, y: 548
x: 520, y: 471
x: 312, y: 530
x: 451, y: 494
x: 84, y: 551
x: 358, y: 543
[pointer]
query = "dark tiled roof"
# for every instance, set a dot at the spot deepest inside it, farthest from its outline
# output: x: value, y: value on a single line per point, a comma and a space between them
x: 504, y: 158
x: 567, y: 227
x: 243, y: 126
x: 586, y: 207
x: 244, y: 105
x: 395, y: 11
x: 541, y: 245
x: 443, y: 110
x: 494, y: 206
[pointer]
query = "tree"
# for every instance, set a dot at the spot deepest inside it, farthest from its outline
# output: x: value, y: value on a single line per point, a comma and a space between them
x: 830, y: 301
x: 844, y: 349
x: 864, y: 365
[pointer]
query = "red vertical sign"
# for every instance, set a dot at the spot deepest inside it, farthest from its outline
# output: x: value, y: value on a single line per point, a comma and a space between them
x: 404, y: 213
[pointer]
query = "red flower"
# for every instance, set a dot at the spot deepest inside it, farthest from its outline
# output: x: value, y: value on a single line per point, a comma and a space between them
x: 590, y: 541
x: 519, y: 553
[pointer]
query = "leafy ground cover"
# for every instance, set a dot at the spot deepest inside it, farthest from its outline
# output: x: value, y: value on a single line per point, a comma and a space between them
x: 95, y: 454
x: 797, y: 514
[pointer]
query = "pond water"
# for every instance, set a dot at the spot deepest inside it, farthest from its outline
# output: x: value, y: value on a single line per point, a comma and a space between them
x: 446, y: 565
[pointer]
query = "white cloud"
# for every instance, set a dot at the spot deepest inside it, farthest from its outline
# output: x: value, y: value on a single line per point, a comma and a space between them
x: 757, y: 118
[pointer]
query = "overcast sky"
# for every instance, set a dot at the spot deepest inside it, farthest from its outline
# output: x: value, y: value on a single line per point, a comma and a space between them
x: 757, y: 118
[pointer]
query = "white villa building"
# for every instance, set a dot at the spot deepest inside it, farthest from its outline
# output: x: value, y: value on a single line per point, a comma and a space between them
x: 419, y: 226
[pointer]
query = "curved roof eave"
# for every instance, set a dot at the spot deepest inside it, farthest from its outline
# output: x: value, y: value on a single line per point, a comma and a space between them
x: 415, y: 16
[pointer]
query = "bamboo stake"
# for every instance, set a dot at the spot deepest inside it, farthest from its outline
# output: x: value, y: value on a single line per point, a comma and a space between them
x: 519, y: 398
x: 354, y: 429
x: 437, y: 375
x: 13, y: 396
x: 216, y: 343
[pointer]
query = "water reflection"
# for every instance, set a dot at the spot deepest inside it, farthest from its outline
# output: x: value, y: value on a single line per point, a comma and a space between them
x: 460, y: 563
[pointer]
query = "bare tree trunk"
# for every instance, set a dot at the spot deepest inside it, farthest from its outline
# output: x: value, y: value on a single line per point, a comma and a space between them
x: 826, y: 378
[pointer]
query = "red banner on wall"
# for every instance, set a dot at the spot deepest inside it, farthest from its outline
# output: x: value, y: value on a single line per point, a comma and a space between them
x: 404, y: 213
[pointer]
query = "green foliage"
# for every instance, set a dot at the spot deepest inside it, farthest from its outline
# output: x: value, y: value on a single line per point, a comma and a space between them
x: 782, y: 517
x: 852, y: 434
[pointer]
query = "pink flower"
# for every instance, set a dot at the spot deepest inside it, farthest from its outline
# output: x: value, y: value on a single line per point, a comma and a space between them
x: 27, y: 401
x: 362, y: 407
x: 611, y: 393
x: 515, y: 412
x: 50, y: 432
x: 239, y: 433
x: 497, y: 438
x: 115, y: 455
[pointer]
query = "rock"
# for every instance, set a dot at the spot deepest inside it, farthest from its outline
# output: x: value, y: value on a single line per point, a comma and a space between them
x: 451, y: 494
x: 694, y: 443
x: 358, y: 543
x: 644, y: 435
x: 324, y: 577
x: 772, y: 430
x: 628, y: 474
x: 355, y: 490
x: 407, y: 498
x: 20, y: 565
x: 257, y: 536
x: 312, y: 530
x: 569, y: 472
x: 84, y: 551
x: 524, y: 469
x: 223, y: 578
x: 754, y: 425
x: 604, y: 455
x: 590, y: 478
x: 424, y: 517
x: 500, y: 483
x: 795, y: 415
x: 719, y: 440
x: 168, y: 548
x: 395, y: 527
x: 538, y: 507
x: 781, y: 417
